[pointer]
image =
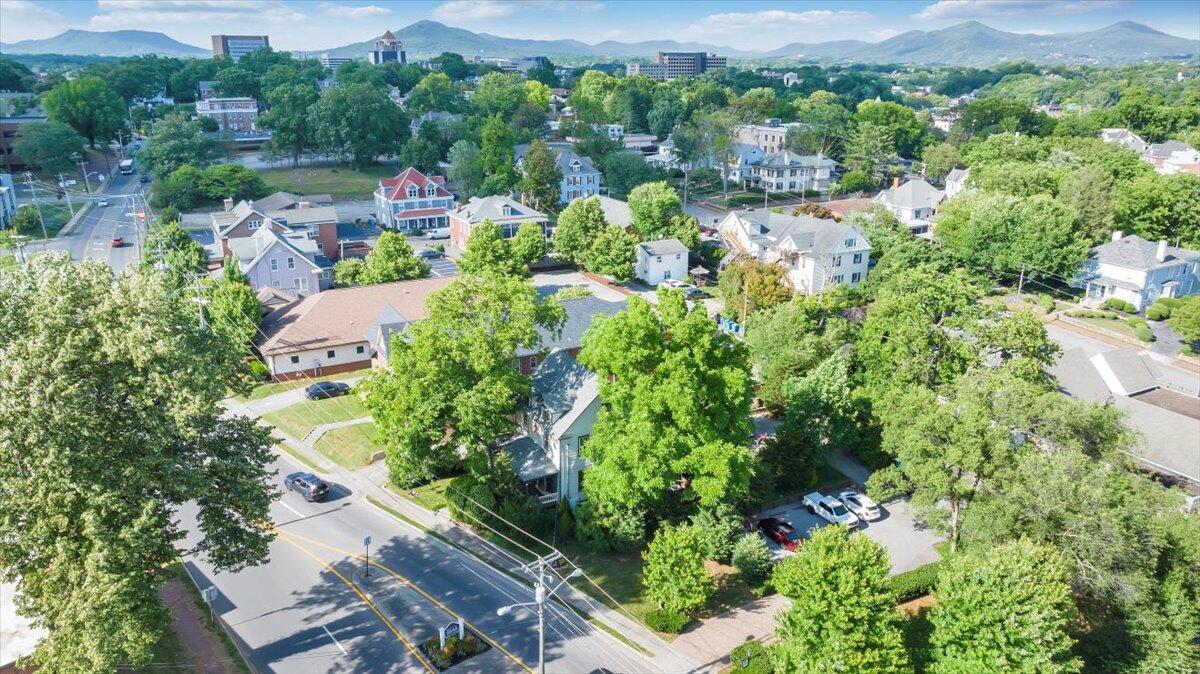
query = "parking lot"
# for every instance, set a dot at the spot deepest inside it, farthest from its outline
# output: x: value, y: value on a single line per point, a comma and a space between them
x: 908, y: 544
x: 442, y: 267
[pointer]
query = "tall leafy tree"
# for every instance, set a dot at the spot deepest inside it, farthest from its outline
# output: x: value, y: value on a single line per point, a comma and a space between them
x: 499, y: 94
x: 1161, y: 207
x: 488, y: 252
x: 826, y: 125
x: 674, y: 570
x: 748, y: 286
x: 465, y: 168
x: 579, y: 224
x: 869, y: 149
x: 48, y: 145
x: 652, y: 205
x: 173, y: 142
x: 1088, y: 194
x: 496, y: 154
x: 434, y: 93
x: 611, y: 253
x: 170, y: 247
x: 528, y: 245
x: 288, y: 118
x: 392, y: 259
x: 623, y: 171
x: 901, y: 122
x: 100, y: 446
x: 358, y: 123
x: 1006, y: 609
x: 540, y: 176
x: 940, y: 159
x: 88, y: 105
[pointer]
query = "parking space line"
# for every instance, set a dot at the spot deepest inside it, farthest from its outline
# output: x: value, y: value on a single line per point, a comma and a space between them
x: 335, y: 641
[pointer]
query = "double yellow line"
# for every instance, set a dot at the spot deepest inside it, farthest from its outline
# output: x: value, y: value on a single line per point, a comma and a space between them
x: 291, y: 539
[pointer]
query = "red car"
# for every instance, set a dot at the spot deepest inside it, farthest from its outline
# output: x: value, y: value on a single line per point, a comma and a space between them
x: 779, y: 531
x: 117, y: 242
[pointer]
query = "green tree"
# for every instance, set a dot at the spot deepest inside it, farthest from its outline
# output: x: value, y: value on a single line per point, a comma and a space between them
x: 1161, y: 207
x: 540, y: 176
x: 48, y: 146
x: 907, y: 131
x: 109, y: 450
x: 990, y: 115
x: 752, y: 559
x: 528, y: 245
x: 237, y: 81
x: 1185, y: 318
x: 791, y: 338
x: 452, y: 383
x: 232, y: 308
x: 392, y: 259
x: 88, y: 106
x: 465, y: 168
x: 940, y: 159
x: 826, y: 126
x: 26, y: 219
x: 1088, y: 193
x: 623, y: 171
x: 496, y: 154
x: 842, y: 617
x: 233, y: 181
x: 719, y: 528
x: 488, y: 252
x: 348, y: 272
x: 173, y: 142
x: 181, y: 189
x: 674, y: 570
x: 666, y: 112
x: 611, y: 253
x: 434, y: 93
x: 579, y: 224
x: 357, y: 123
x: 499, y: 94
x: 677, y: 396
x: 869, y: 149
x: 169, y: 244
x: 652, y: 205
x: 288, y: 119
x: 421, y: 154
x: 1004, y: 610
x: 748, y: 286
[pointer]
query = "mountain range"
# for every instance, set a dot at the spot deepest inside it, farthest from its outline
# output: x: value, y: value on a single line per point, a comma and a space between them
x: 966, y: 44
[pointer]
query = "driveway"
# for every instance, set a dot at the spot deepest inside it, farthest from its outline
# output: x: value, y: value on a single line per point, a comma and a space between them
x: 278, y: 401
x: 550, y: 282
x: 442, y: 267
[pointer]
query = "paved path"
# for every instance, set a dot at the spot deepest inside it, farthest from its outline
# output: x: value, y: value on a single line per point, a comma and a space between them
x: 711, y: 640
x: 202, y: 647
x: 315, y: 434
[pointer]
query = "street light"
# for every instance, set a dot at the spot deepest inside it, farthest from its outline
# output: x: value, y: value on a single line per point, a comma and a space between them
x: 539, y: 600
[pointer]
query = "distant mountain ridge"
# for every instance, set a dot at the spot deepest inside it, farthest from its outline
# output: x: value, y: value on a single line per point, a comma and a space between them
x: 105, y: 43
x: 965, y: 44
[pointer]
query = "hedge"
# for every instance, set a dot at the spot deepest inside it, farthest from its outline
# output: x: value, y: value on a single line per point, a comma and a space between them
x: 1140, y: 329
x: 1091, y: 313
x: 669, y: 622
x: 756, y: 656
x: 1119, y: 305
x: 916, y: 583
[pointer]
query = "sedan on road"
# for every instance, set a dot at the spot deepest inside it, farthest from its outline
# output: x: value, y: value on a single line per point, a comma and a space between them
x: 430, y: 254
x: 326, y: 389
x: 102, y: 203
x: 311, y: 487
x: 118, y: 242
x: 779, y: 531
x: 860, y: 504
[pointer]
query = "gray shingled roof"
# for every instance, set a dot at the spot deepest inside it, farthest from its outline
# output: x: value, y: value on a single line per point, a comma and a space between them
x: 492, y: 208
x: 1163, y: 150
x: 821, y: 237
x: 1134, y: 252
x: 580, y: 312
x: 789, y: 158
x: 565, y: 156
x: 912, y: 194
x: 283, y: 200
x: 955, y: 174
x: 561, y: 389
x: 663, y: 247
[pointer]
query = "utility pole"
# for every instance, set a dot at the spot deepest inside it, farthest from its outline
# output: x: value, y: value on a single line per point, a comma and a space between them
x: 37, y: 206
x: 83, y: 169
x: 537, y: 569
x: 1021, y: 281
x: 63, y: 183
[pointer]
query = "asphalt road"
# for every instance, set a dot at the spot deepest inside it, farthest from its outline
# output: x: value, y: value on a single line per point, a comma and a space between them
x: 92, y: 237
x: 306, y: 610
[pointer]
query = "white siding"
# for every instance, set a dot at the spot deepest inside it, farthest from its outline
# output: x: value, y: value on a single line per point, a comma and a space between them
x: 314, y: 358
x: 654, y: 269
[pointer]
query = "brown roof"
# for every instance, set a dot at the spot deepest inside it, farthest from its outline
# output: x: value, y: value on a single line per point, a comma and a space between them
x: 344, y: 315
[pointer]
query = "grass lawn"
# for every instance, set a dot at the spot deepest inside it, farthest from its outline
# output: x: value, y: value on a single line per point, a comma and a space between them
x: 272, y: 387
x: 619, y: 573
x: 1116, y: 325
x: 338, y: 181
x: 55, y: 216
x: 297, y: 420
x: 350, y: 446
x: 431, y: 496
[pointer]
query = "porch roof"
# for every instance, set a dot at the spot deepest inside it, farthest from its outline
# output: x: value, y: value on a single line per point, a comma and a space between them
x: 529, y: 458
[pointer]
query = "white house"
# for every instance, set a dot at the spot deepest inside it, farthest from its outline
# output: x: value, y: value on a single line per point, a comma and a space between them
x: 740, y: 167
x: 283, y: 260
x: 1125, y: 138
x: 816, y: 254
x: 770, y: 136
x: 1138, y: 271
x: 581, y: 178
x: 956, y: 181
x: 662, y: 260
x: 786, y: 171
x: 913, y: 203
x: 413, y: 202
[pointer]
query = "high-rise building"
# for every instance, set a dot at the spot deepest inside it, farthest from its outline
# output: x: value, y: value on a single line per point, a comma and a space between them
x: 332, y: 62
x: 669, y: 65
x: 388, y: 49
x: 237, y: 46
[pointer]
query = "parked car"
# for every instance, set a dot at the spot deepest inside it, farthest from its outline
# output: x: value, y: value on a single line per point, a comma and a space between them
x: 779, y: 531
x: 438, y: 233
x: 102, y: 203
x: 429, y: 254
x: 830, y: 509
x: 860, y: 504
x: 673, y: 283
x: 694, y: 293
x: 117, y: 242
x: 143, y: 178
x: 326, y: 389
x: 311, y: 487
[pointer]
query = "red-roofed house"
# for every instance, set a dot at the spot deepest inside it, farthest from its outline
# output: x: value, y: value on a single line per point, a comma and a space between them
x: 412, y: 202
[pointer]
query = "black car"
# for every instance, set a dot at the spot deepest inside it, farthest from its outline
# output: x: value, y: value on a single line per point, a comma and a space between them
x: 430, y: 254
x: 143, y: 179
x: 311, y: 487
x: 779, y: 531
x: 694, y: 293
x: 326, y: 389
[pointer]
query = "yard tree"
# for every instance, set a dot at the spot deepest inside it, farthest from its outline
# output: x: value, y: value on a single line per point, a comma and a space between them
x: 88, y: 105
x: 287, y: 118
x: 752, y: 559
x: 169, y: 244
x: 940, y: 159
x: 421, y: 154
x: 348, y: 272
x: 579, y: 224
x: 611, y: 253
x: 790, y: 339
x: 26, y: 219
x: 1088, y: 194
x: 1159, y: 207
x: 623, y: 171
x: 234, y: 80
x: 173, y: 142
x: 677, y: 396
x: 1185, y: 319
x: 181, y: 189
x: 868, y: 149
x: 907, y: 131
x: 392, y: 259
x: 540, y: 177
x: 232, y: 181
x: 991, y: 114
x: 719, y: 528
x: 842, y: 616
x: 49, y: 146
x: 826, y: 126
x: 537, y: 94
x: 109, y: 424
x: 1004, y: 609
x: 664, y: 114
x: 358, y: 123
x: 496, y: 154
x: 674, y: 570
x: 529, y: 123
x: 488, y: 252
x: 233, y: 310
x: 465, y: 168
x: 689, y: 149
x: 747, y: 286
x: 755, y: 105
x: 434, y: 93
x: 452, y: 382
x: 499, y: 94
x: 528, y: 245
x: 652, y: 205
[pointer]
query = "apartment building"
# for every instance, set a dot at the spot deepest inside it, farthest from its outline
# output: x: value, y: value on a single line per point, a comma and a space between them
x: 770, y: 136
x: 331, y: 63
x: 230, y: 114
x: 236, y: 46
x: 669, y: 65
x: 388, y: 49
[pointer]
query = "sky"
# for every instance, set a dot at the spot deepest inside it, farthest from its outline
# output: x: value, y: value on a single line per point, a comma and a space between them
x: 312, y: 25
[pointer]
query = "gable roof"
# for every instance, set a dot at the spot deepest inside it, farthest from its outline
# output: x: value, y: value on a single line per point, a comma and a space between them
x: 956, y: 175
x: 250, y: 250
x: 562, y: 389
x: 492, y: 208
x: 227, y: 220
x: 311, y: 215
x: 581, y: 311
x: 344, y: 315
x: 564, y: 155
x: 616, y: 212
x: 396, y: 189
x: 789, y: 158
x: 663, y: 247
x: 803, y: 233
x: 284, y: 200
x: 916, y: 193
x: 1166, y: 148
x: 1134, y: 252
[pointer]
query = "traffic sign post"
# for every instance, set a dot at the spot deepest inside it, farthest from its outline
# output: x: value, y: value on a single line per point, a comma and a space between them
x: 210, y: 595
x: 367, y: 557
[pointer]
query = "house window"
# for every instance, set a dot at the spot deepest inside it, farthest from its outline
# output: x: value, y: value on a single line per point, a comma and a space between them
x: 855, y: 277
x: 412, y: 191
x: 658, y: 258
x: 430, y: 190
x: 295, y: 359
x: 666, y: 274
x: 330, y: 353
x: 276, y: 284
x: 837, y: 278
x: 291, y: 263
x: 850, y: 243
x: 360, y: 349
x: 274, y: 265
x: 254, y: 224
x: 837, y: 260
x: 857, y: 258
x: 677, y: 256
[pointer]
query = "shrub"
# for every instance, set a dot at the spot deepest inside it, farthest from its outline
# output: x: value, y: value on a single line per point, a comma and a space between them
x: 757, y: 659
x: 1119, y: 305
x: 1045, y: 302
x: 564, y: 528
x: 915, y: 583
x: 719, y: 528
x: 259, y: 370
x: 888, y: 483
x: 606, y: 529
x: 666, y: 621
x: 168, y: 214
x: 1142, y: 332
x: 752, y: 559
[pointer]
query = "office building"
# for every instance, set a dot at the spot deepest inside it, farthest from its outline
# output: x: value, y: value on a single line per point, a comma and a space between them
x: 230, y: 114
x: 669, y: 65
x: 237, y: 46
x: 388, y: 49
x: 331, y: 63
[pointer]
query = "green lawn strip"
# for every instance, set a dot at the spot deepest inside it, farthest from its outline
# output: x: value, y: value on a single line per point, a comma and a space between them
x: 297, y: 420
x: 337, y: 181
x: 299, y: 457
x: 431, y: 496
x: 235, y: 655
x: 350, y: 446
x: 55, y: 216
x: 271, y: 388
x: 1115, y: 325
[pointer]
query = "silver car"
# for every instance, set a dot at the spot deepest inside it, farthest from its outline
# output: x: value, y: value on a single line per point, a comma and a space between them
x: 860, y: 504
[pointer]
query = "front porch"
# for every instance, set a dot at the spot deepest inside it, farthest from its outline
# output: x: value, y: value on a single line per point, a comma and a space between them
x: 534, y: 469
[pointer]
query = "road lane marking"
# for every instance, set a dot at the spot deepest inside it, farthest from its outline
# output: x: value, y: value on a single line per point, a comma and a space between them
x: 285, y: 505
x: 491, y: 640
x: 335, y: 641
x: 366, y: 600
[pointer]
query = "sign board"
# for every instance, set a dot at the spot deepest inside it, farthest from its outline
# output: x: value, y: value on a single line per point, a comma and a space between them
x: 451, y: 629
x: 210, y: 593
x: 366, y: 541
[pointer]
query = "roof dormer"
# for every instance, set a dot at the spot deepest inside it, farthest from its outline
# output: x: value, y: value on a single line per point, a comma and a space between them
x: 430, y: 190
x: 412, y: 191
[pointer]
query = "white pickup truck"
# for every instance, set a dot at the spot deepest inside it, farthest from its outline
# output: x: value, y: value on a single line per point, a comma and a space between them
x: 830, y: 509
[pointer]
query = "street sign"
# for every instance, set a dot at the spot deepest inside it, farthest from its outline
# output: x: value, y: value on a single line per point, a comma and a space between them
x: 451, y: 629
x: 366, y: 541
x: 210, y: 593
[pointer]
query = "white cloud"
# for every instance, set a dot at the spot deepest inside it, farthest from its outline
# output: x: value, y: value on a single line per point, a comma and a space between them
x: 773, y: 18
x: 26, y: 20
x: 468, y: 10
x: 180, y: 13
x: 980, y: 9
x: 354, y: 11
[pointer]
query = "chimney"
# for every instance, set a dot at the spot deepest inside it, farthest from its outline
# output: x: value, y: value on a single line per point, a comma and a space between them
x: 303, y: 204
x: 1117, y: 235
x: 1161, y: 253
x: 895, y: 182
x: 228, y: 204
